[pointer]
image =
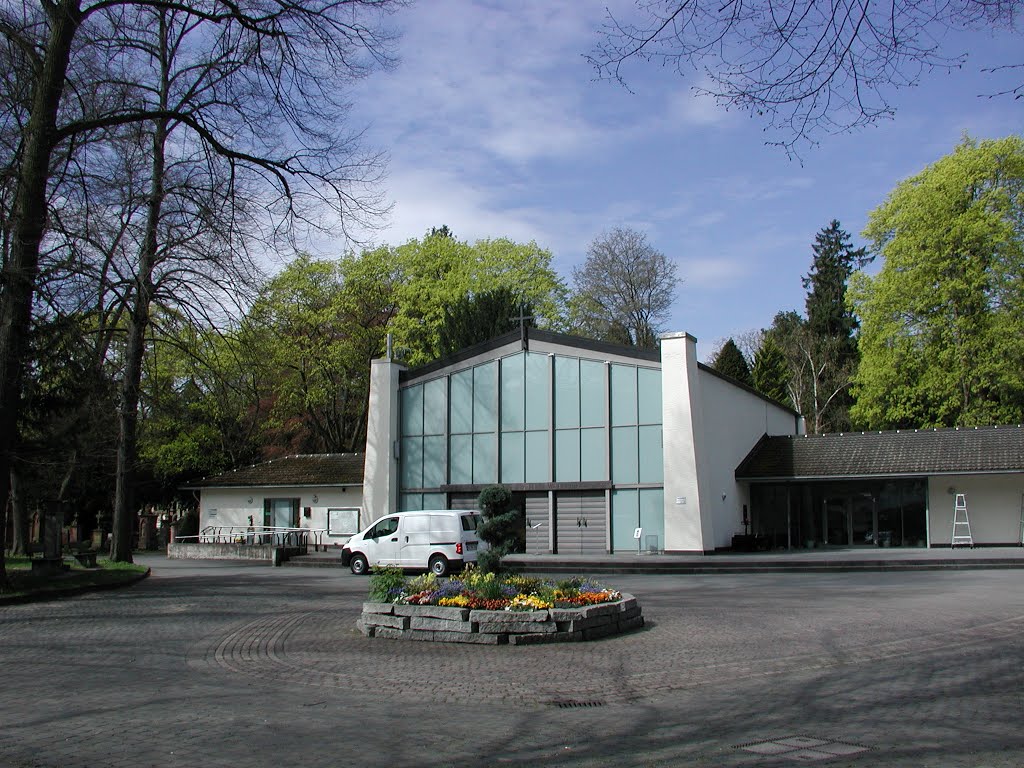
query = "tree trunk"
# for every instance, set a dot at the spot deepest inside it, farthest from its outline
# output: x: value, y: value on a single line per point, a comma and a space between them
x: 138, y: 322
x: 19, y: 515
x: 28, y: 221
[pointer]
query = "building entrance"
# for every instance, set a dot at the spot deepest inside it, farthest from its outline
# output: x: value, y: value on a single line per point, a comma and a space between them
x: 840, y: 514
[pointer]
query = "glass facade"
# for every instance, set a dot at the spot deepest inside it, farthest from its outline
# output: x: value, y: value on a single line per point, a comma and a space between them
x: 885, y: 513
x: 539, y: 418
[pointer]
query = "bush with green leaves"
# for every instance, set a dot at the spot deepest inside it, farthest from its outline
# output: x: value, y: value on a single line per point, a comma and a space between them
x: 386, y: 581
x: 502, y: 527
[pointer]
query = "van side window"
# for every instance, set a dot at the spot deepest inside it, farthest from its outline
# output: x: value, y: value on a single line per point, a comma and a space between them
x: 385, y: 527
x: 470, y: 522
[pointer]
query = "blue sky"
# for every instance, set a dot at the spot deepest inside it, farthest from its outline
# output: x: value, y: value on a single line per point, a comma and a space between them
x: 496, y: 126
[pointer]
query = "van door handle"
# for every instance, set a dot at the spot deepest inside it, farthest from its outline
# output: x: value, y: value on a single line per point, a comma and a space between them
x: 395, y: 539
x: 406, y: 539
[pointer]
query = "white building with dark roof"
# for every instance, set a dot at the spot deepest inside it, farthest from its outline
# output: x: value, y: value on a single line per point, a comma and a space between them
x: 613, y: 449
x: 319, y: 492
x: 608, y: 448
x: 894, y: 488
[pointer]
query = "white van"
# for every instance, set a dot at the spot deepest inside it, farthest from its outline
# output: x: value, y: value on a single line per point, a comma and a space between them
x: 438, y: 540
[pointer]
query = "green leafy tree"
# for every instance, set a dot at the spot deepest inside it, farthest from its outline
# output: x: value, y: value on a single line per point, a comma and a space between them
x: 482, y: 316
x: 942, y: 323
x: 319, y: 323
x: 730, y: 362
x: 439, y: 271
x: 770, y: 373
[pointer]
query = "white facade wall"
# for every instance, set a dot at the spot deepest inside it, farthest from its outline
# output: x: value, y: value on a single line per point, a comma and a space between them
x: 734, y: 420
x: 232, y: 506
x: 687, y: 516
x: 380, y: 467
x: 993, y: 507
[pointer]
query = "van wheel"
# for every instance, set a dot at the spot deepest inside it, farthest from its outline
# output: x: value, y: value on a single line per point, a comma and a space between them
x: 358, y: 565
x: 439, y: 565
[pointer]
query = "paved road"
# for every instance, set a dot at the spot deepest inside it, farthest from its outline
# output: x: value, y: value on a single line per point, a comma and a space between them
x: 216, y: 664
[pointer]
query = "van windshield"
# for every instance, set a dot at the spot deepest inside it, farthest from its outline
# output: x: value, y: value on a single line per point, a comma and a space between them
x: 470, y: 522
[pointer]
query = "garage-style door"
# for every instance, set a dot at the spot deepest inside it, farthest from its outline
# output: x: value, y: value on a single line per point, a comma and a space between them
x: 581, y: 523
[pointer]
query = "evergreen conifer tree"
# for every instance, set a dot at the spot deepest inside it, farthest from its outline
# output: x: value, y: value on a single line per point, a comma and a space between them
x: 770, y: 372
x: 730, y: 362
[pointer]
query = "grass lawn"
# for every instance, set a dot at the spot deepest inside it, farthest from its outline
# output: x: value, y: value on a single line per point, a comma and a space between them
x: 22, y: 585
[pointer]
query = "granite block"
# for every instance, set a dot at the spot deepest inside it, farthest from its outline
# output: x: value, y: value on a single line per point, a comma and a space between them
x: 383, y: 620
x: 509, y: 616
x: 442, y: 625
x: 519, y: 627
x: 452, y: 613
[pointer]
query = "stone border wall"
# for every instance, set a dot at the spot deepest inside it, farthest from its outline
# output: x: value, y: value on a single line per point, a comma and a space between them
x: 440, y: 624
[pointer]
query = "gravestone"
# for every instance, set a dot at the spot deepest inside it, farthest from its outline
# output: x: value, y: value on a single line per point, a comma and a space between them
x: 50, y: 525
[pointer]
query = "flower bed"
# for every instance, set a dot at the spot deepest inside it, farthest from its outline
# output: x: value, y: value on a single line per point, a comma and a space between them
x: 483, y: 608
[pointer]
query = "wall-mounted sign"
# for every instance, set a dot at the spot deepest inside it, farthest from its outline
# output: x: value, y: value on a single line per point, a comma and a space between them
x: 342, y: 521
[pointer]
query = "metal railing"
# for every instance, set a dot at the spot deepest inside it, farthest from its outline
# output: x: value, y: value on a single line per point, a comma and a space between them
x: 264, y: 535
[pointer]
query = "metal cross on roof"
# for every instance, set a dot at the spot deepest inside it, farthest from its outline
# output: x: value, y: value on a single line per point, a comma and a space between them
x: 521, y: 319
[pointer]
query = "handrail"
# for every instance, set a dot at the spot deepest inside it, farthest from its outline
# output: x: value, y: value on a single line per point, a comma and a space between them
x: 280, y: 536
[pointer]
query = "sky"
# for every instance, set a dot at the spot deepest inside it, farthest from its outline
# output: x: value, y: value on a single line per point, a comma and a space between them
x: 497, y: 126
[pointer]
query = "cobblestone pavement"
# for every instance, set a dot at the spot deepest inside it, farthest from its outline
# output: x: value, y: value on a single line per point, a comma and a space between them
x: 219, y: 664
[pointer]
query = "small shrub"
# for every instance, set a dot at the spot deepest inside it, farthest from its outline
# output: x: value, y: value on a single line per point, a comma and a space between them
x: 425, y: 582
x: 386, y: 583
x: 490, y: 560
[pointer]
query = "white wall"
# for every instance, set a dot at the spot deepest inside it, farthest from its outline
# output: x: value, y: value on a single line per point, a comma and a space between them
x: 232, y: 506
x: 734, y: 420
x: 380, y: 467
x: 687, y: 525
x: 993, y: 507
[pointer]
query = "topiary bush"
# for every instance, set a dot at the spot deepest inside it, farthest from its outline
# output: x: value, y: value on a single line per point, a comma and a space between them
x: 502, y: 527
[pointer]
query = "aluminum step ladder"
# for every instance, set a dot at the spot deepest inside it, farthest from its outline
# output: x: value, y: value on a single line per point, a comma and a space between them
x: 961, y: 523
x: 1022, y: 519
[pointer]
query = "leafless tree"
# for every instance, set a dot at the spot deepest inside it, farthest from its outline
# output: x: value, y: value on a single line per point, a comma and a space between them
x: 624, y: 290
x: 807, y: 67
x: 269, y: 107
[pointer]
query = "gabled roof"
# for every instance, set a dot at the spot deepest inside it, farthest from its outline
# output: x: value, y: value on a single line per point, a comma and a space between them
x: 317, y: 469
x: 916, y: 452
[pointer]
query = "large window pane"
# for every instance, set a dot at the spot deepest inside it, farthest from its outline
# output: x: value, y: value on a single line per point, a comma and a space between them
x: 512, y: 393
x: 484, y: 398
x: 593, y: 411
x: 652, y: 517
x: 461, y: 457
x: 593, y: 454
x: 434, y: 501
x: 624, y: 455
x: 567, y: 392
x: 462, y: 402
x: 537, y: 457
x: 433, y: 461
x: 650, y: 454
x: 513, y: 469
x: 408, y: 501
x: 623, y: 395
x: 537, y: 383
x: 567, y: 455
x: 434, y: 407
x: 485, y: 459
x: 649, y: 395
x: 412, y: 462
x: 412, y: 410
x: 625, y: 518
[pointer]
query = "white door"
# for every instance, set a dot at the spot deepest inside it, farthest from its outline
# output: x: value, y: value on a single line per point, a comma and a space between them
x: 381, y: 542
